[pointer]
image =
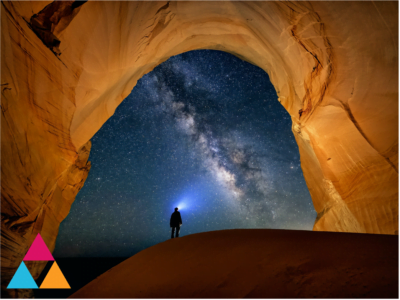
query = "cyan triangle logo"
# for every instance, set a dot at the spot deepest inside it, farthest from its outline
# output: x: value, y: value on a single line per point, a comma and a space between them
x: 22, y: 279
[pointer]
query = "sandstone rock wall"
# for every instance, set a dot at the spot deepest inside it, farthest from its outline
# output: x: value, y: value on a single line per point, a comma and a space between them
x: 65, y: 68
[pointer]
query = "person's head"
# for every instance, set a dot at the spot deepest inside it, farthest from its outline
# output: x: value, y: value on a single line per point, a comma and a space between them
x: 176, y: 209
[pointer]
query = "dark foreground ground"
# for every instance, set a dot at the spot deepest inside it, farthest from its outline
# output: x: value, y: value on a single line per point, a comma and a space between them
x: 256, y: 263
x: 78, y: 272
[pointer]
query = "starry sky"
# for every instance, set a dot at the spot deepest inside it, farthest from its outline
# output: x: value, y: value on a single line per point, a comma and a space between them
x: 203, y: 132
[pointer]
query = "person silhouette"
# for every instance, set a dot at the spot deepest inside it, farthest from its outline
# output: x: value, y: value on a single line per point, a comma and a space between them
x: 175, y: 222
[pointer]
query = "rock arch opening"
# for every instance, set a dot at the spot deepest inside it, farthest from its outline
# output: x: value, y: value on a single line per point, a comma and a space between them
x: 203, y: 131
x: 309, y: 69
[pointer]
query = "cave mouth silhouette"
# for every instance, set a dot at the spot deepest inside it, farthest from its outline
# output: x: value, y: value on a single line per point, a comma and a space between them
x: 204, y: 132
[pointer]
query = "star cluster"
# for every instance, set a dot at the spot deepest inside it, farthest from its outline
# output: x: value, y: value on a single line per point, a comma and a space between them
x: 204, y: 132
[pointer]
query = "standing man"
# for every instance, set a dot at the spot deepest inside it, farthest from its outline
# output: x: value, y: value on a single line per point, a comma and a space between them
x: 175, y: 222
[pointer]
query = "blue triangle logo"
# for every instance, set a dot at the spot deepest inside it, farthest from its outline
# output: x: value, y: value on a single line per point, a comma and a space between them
x: 22, y: 279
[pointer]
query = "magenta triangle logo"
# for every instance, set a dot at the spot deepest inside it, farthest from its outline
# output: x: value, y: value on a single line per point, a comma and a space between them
x: 38, y: 250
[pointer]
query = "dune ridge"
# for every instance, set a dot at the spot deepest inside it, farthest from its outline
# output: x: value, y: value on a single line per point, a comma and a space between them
x: 256, y: 263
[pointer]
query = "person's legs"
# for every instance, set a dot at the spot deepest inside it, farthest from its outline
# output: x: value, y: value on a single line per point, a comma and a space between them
x: 172, y: 233
x: 177, y: 231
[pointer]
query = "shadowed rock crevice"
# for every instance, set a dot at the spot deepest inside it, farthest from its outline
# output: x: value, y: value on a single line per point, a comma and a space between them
x: 52, y: 20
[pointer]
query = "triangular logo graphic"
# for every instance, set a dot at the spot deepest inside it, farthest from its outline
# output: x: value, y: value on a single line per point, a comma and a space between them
x: 38, y: 250
x: 55, y: 279
x: 22, y: 279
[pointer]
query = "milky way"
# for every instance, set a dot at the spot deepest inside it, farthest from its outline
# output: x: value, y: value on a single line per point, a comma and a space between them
x: 203, y: 131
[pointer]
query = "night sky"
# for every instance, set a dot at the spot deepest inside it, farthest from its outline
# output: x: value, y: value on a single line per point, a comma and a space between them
x: 204, y: 132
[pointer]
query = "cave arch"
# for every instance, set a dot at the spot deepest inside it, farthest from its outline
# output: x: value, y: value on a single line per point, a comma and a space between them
x: 340, y: 91
x: 145, y: 152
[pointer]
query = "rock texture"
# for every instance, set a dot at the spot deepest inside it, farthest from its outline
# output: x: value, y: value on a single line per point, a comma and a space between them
x: 256, y: 263
x: 66, y: 67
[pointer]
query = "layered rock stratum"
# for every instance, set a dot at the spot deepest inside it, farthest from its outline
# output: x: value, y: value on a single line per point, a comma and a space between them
x: 66, y: 66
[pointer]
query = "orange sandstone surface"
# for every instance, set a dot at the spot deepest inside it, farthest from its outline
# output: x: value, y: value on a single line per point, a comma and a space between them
x: 256, y: 263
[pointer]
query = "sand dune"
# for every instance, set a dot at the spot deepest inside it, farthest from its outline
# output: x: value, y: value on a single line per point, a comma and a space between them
x: 256, y: 263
